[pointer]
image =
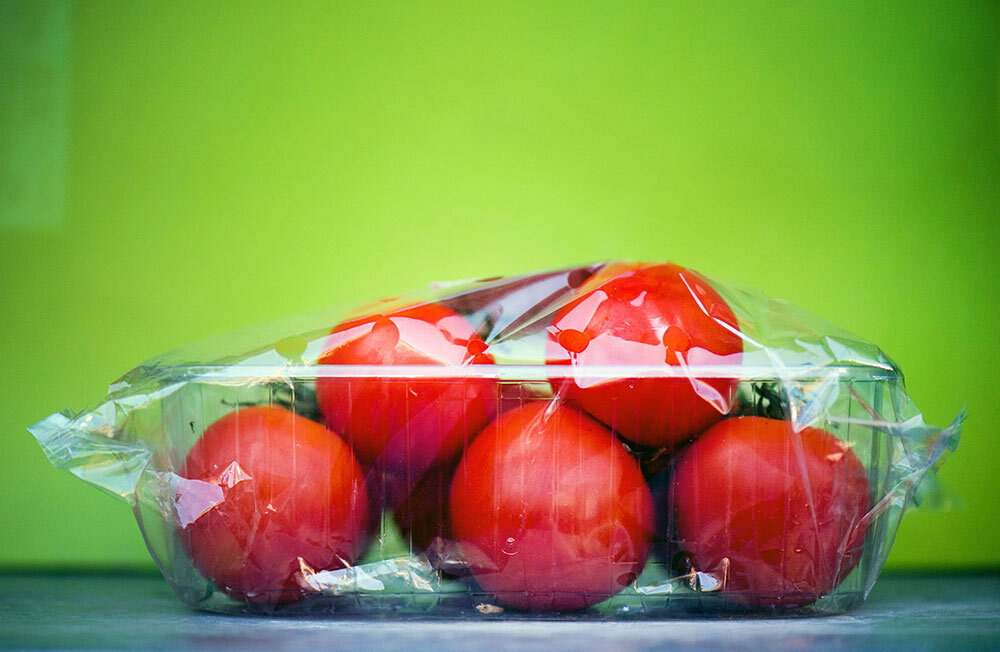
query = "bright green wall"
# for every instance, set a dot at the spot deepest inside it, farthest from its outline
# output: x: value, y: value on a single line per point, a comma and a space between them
x: 222, y: 164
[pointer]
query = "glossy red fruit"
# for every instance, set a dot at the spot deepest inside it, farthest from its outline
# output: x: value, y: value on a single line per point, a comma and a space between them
x: 266, y: 495
x: 550, y: 511
x: 407, y: 425
x: 775, y: 515
x: 649, y: 315
x: 421, y: 507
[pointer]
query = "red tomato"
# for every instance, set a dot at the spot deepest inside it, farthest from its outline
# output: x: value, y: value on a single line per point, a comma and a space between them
x: 638, y: 314
x: 265, y: 494
x: 550, y: 511
x: 776, y: 515
x: 407, y: 426
x: 422, y: 511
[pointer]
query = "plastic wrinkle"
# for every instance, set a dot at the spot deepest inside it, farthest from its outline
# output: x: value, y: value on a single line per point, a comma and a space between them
x: 194, y: 498
x: 410, y: 573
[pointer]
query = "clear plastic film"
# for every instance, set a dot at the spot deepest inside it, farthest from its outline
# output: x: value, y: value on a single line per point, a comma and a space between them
x: 616, y: 440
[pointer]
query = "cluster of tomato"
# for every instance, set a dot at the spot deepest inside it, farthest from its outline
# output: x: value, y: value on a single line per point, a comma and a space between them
x: 542, y: 500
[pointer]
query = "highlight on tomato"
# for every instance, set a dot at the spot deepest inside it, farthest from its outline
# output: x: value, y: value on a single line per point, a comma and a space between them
x: 658, y: 315
x: 407, y: 426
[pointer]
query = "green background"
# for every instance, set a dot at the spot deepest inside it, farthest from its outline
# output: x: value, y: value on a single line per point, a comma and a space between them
x: 173, y: 170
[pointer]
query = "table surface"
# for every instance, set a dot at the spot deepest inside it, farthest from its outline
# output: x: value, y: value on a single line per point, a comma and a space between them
x: 126, y: 612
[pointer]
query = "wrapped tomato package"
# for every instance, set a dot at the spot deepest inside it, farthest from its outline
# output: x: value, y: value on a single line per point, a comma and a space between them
x: 612, y: 441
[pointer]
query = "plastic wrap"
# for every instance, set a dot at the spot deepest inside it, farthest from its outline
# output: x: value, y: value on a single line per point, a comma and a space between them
x: 623, y: 439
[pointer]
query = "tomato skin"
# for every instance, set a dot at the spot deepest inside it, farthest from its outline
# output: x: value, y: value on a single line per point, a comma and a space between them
x: 406, y: 426
x: 289, y: 492
x: 640, y: 314
x: 550, y: 511
x: 421, y: 508
x: 746, y: 493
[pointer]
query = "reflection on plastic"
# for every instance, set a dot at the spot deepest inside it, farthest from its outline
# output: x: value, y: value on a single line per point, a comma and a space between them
x: 400, y: 574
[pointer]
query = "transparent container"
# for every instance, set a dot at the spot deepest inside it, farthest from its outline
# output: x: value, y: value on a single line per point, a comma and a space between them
x: 504, y: 473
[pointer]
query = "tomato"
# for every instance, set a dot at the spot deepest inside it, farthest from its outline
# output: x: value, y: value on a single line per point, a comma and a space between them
x: 649, y: 315
x: 778, y: 516
x: 266, y: 495
x: 550, y: 511
x: 422, y: 510
x: 407, y: 426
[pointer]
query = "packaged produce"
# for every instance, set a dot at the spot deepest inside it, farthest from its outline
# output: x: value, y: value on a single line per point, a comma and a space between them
x: 611, y: 441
